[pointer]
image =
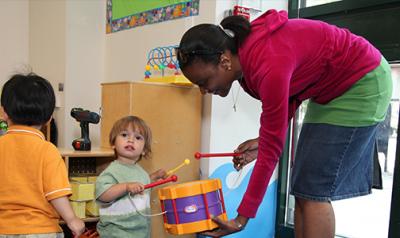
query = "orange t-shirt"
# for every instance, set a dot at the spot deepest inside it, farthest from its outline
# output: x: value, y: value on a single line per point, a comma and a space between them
x: 32, y: 173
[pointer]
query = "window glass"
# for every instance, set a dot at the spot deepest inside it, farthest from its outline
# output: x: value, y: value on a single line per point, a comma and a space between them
x: 310, y: 3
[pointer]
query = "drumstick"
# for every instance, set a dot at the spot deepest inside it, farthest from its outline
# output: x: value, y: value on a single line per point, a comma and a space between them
x: 199, y: 155
x: 185, y: 162
x: 173, y: 178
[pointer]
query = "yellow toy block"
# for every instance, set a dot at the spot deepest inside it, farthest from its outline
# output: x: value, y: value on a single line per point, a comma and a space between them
x: 82, y: 191
x: 79, y: 179
x: 92, y: 209
x: 92, y: 179
x: 79, y: 208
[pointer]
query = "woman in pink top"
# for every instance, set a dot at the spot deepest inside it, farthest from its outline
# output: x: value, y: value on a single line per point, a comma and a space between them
x: 282, y: 62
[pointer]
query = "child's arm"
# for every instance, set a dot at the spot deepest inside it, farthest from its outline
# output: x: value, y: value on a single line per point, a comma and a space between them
x: 118, y: 190
x: 64, y: 209
x: 159, y: 174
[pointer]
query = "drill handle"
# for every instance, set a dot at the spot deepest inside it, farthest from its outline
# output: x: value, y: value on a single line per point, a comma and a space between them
x: 85, y: 130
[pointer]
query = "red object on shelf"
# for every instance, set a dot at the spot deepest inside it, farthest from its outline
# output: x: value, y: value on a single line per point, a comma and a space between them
x: 199, y: 155
x: 241, y: 11
x: 173, y: 178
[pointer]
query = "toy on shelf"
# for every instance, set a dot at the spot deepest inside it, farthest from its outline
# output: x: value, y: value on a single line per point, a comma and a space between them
x: 162, y: 67
x: 84, y: 117
x: 3, y: 127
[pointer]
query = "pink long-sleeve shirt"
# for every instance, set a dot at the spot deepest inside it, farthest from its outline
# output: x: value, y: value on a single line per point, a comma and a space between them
x: 285, y: 62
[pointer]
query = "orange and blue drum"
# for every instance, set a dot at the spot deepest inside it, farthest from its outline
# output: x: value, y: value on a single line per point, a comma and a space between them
x: 189, y: 206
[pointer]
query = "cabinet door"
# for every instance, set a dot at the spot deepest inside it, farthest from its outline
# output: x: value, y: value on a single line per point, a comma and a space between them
x: 115, y: 103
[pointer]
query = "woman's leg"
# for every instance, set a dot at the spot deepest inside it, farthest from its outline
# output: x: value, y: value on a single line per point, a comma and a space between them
x: 314, y: 219
x: 298, y: 221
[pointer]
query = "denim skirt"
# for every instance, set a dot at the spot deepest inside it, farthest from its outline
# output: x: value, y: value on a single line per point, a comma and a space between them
x: 333, y: 162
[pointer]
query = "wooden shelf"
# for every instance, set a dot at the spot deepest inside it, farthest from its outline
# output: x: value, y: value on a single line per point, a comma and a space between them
x: 96, y: 152
x: 96, y: 160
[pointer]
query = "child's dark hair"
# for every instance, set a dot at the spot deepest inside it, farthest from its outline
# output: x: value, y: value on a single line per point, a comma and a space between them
x: 137, y: 124
x: 28, y: 99
x: 207, y: 42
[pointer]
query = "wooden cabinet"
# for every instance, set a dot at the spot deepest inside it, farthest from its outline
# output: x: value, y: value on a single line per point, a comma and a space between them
x: 87, y: 163
x: 174, y: 116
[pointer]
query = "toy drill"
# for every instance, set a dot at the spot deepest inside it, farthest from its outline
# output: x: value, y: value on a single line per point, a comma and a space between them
x: 84, y: 117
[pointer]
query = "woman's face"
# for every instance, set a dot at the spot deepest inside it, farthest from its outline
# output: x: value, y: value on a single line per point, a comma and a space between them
x: 214, y: 79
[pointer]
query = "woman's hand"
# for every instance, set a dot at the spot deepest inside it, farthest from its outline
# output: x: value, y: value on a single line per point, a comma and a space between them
x: 249, y: 150
x: 227, y: 227
x: 159, y: 174
x: 134, y: 187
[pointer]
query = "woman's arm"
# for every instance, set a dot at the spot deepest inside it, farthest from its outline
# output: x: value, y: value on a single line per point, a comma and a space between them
x: 273, y: 89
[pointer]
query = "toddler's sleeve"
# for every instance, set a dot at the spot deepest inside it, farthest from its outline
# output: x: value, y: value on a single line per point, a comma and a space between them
x: 104, y: 182
x: 55, y: 174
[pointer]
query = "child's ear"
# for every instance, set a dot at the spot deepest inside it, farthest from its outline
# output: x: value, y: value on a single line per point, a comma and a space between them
x: 3, y: 114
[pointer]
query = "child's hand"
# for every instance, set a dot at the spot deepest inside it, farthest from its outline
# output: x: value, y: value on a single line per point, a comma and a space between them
x: 134, y: 187
x: 159, y: 174
x: 77, y: 226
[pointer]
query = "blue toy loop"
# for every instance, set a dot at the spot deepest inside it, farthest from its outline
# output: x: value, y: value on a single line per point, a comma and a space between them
x: 162, y: 57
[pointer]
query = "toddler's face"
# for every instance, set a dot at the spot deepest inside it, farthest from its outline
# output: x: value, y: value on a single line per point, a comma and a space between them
x: 129, y: 144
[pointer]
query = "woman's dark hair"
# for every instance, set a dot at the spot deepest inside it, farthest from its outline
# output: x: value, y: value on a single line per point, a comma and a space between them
x: 28, y: 99
x: 207, y: 42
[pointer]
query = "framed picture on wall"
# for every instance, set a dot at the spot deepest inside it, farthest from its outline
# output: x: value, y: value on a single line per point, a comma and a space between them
x: 123, y: 14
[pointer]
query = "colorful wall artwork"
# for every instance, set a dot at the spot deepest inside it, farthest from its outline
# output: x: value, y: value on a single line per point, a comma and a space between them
x: 126, y: 14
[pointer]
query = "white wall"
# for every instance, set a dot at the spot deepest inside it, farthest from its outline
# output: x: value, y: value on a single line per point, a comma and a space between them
x: 14, y: 40
x: 84, y: 63
x: 47, y: 47
x: 67, y: 46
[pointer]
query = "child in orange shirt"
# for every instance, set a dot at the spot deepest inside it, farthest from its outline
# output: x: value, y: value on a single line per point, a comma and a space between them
x: 33, y: 178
